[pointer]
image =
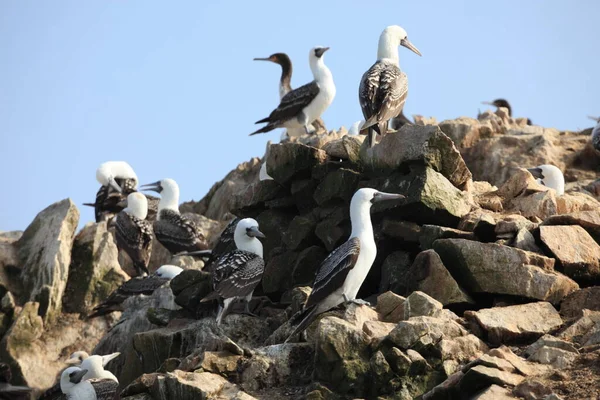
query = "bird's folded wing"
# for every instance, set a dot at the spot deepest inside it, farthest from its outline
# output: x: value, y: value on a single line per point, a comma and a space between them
x: 176, y: 227
x: 237, y: 273
x: 225, y: 244
x: 393, y: 89
x: 293, y: 102
x: 334, y: 270
x: 367, y: 91
x: 106, y: 389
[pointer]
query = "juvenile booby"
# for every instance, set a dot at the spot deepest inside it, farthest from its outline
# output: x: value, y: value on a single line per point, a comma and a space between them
x: 238, y: 272
x: 134, y: 233
x: 342, y: 273
x: 135, y: 287
x: 302, y: 106
x: 73, y: 385
x: 383, y: 88
x: 225, y: 244
x: 174, y: 231
x: 504, y: 104
x: 550, y: 176
x: 285, y: 86
x: 596, y: 133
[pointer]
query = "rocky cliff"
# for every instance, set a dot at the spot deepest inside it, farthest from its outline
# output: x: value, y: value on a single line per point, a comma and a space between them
x: 486, y: 284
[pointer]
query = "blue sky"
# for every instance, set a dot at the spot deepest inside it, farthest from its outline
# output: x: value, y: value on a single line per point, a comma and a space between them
x: 171, y: 87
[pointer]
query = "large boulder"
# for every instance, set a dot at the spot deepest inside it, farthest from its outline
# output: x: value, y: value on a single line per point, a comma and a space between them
x: 94, y: 272
x: 498, y: 269
x: 45, y: 256
x: 290, y: 160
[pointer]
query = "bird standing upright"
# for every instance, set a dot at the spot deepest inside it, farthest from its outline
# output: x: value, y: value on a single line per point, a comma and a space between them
x: 134, y: 233
x: 342, y: 273
x: 550, y: 176
x: 302, y: 106
x: 73, y: 384
x: 174, y: 231
x: 384, y: 87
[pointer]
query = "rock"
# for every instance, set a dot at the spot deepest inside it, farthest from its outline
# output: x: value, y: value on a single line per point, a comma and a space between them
x: 337, y: 185
x: 554, y: 356
x: 516, y: 323
x: 424, y: 331
x: 523, y: 367
x: 346, y: 148
x: 191, y: 386
x: 576, y: 251
x: 493, y: 268
x: 431, y: 233
x: 588, y: 220
x: 45, y: 255
x: 277, y: 275
x: 220, y: 362
x: 288, y: 160
x: 342, y: 356
x: 463, y: 131
x: 404, y: 231
x: 255, y: 195
x: 419, y: 304
x: 300, y: 232
x: 574, y: 304
x: 492, y: 362
x: 494, y: 392
x: 550, y: 341
x: 575, y: 202
x: 390, y: 307
x: 582, y: 329
x: 381, y: 373
x: 377, y: 329
x: 532, y: 389
x: 508, y: 226
x: 94, y: 272
x: 334, y: 229
x: 306, y: 266
x: 480, y: 377
x: 462, y: 349
x: 424, y: 144
x: 524, y: 240
x: 393, y: 272
x: 273, y: 223
x: 428, y: 275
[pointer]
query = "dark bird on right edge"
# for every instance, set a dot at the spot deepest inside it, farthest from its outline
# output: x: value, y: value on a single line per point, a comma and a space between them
x: 174, y: 231
x: 384, y: 87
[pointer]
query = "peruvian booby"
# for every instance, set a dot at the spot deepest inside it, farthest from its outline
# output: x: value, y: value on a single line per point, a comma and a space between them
x: 285, y: 86
x: 596, y: 133
x: 238, y: 272
x: 73, y: 385
x: 383, y: 88
x: 504, y: 104
x: 135, y: 287
x: 550, y: 176
x: 134, y: 233
x: 342, y: 273
x: 78, y: 357
x: 225, y: 244
x: 174, y: 231
x: 302, y: 106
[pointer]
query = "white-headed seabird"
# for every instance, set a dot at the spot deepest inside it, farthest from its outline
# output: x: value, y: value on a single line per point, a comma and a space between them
x: 342, y: 273
x: 174, y: 231
x: 596, y: 133
x: 238, y: 272
x: 383, y: 88
x: 134, y: 233
x: 73, y: 385
x: 550, y: 176
x: 76, y: 358
x: 302, y: 106
x: 135, y: 287
x: 504, y: 104
x: 225, y: 244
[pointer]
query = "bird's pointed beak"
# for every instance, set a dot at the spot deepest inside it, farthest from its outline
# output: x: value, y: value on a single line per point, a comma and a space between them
x: 406, y: 43
x: 254, y: 232
x: 262, y: 59
x: 78, y: 376
x: 597, y: 119
x: 155, y: 187
x: 381, y: 196
x: 114, y: 184
x: 487, y: 103
x: 106, y: 359
x: 536, y: 172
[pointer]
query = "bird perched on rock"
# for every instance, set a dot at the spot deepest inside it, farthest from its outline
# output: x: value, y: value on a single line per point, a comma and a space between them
x: 135, y: 287
x: 237, y: 273
x: 504, y: 104
x: 73, y: 385
x: 134, y: 233
x: 342, y: 273
x: 384, y: 87
x: 117, y: 180
x: 302, y: 106
x: 285, y: 86
x: 550, y: 176
x: 174, y: 231
x: 225, y: 244
x: 596, y: 133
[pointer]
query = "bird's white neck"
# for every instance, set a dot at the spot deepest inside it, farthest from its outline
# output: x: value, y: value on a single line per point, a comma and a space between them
x: 82, y: 391
x: 360, y: 217
x: 247, y: 243
x: 387, y: 49
x: 137, y: 211
x: 319, y: 69
x: 169, y: 200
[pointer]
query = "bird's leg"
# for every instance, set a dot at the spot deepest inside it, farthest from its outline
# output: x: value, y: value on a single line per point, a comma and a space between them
x: 247, y: 306
x: 355, y: 301
x: 224, y: 310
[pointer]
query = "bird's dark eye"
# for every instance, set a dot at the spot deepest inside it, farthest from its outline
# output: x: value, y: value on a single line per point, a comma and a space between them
x: 248, y: 230
x: 71, y: 374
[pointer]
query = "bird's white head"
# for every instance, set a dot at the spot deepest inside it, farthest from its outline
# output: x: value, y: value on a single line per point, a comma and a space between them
x: 77, y: 357
x: 169, y: 193
x: 168, y: 271
x: 246, y: 234
x: 137, y: 205
x: 71, y: 377
x: 93, y: 364
x: 550, y: 176
x: 389, y: 40
x: 360, y: 208
x: 317, y: 64
x: 108, y: 171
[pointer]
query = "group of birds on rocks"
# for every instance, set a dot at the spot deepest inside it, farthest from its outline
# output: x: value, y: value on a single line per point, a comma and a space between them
x: 236, y: 262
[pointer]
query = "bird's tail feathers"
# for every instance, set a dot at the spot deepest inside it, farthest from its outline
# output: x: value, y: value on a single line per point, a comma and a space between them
x: 262, y: 121
x: 307, y: 316
x: 89, y: 204
x: 269, y: 127
x: 211, y: 296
